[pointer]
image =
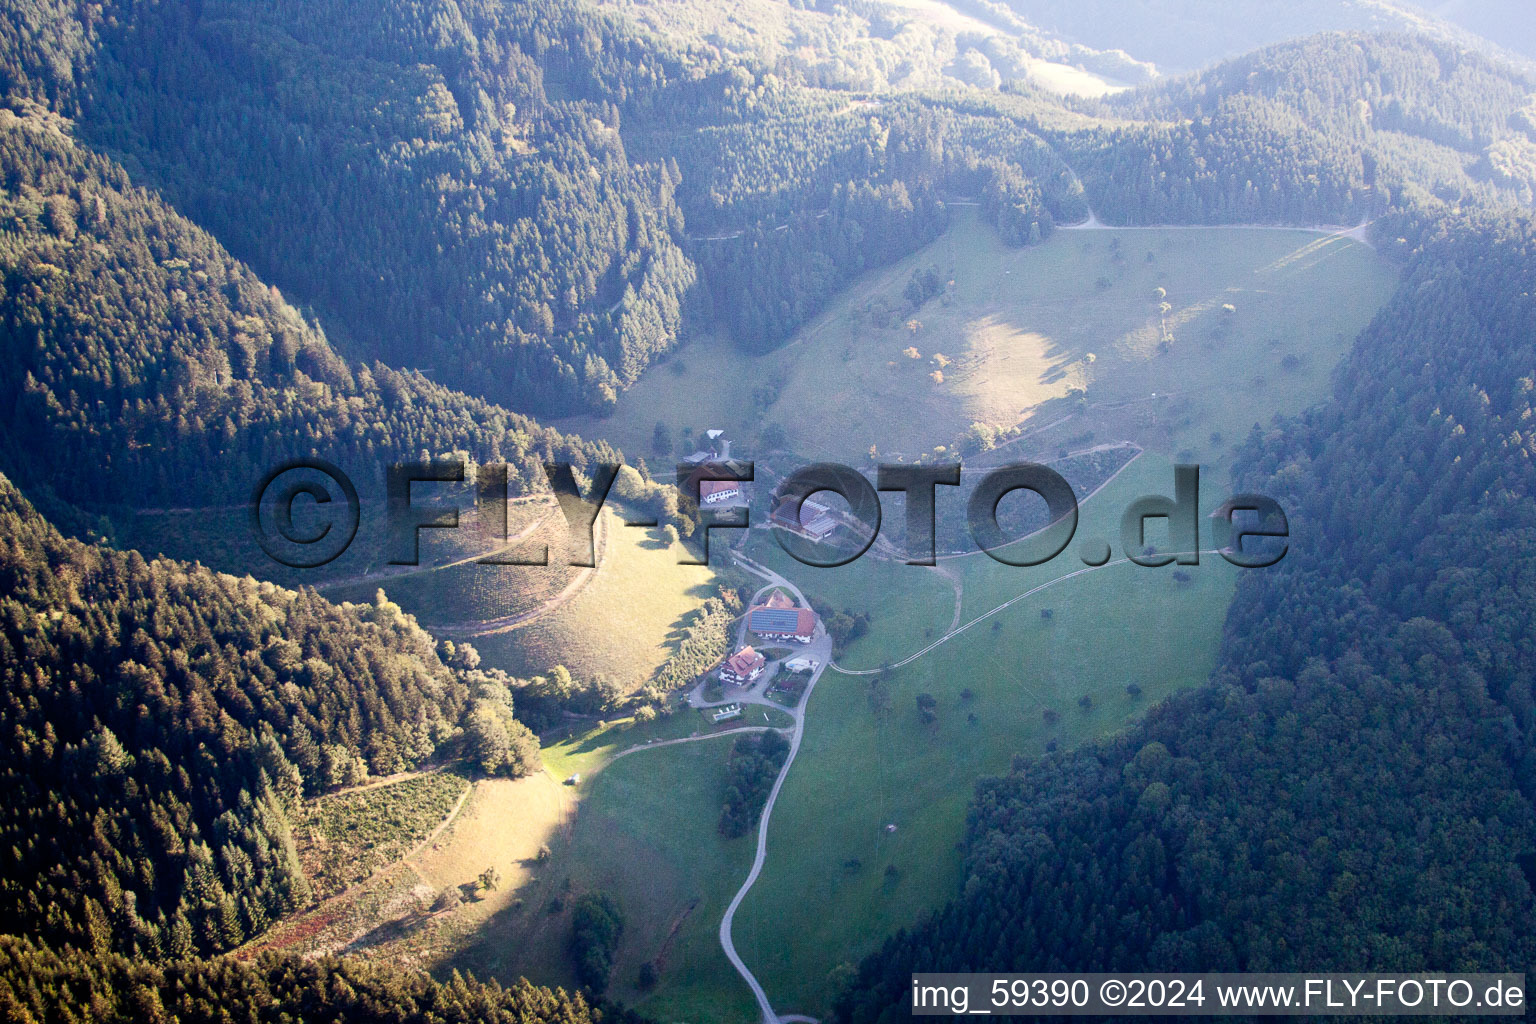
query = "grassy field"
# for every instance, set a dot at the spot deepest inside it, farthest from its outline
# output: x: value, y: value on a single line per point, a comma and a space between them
x: 221, y: 538
x: 544, y: 846
x: 828, y: 893
x: 645, y: 831
x: 503, y: 824
x: 587, y: 750
x: 642, y: 828
x: 1024, y: 329
x: 621, y: 622
x: 451, y: 587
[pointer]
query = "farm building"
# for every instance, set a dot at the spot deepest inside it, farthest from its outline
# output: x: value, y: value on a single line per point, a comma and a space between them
x: 815, y: 520
x: 720, y: 492
x: 708, y: 462
x: 777, y: 622
x: 743, y: 666
x: 719, y: 449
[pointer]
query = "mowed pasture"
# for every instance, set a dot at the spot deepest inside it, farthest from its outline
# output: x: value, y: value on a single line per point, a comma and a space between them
x: 1022, y: 330
x: 622, y: 623
x: 619, y: 619
x: 585, y: 750
x: 1018, y: 334
x: 836, y: 881
x: 645, y: 830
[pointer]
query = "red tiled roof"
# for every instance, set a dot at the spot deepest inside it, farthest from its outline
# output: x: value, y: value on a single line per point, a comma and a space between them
x: 708, y: 487
x: 779, y: 599
x: 744, y: 662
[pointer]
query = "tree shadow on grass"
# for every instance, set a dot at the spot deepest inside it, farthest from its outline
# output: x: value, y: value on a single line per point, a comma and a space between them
x: 393, y: 930
x: 533, y: 909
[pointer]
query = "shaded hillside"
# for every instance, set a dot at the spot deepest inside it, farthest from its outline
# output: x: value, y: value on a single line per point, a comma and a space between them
x: 137, y: 347
x: 1330, y: 129
x: 500, y: 202
x: 400, y: 167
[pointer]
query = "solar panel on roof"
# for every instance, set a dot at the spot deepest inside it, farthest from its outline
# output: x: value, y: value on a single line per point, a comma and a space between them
x: 775, y: 620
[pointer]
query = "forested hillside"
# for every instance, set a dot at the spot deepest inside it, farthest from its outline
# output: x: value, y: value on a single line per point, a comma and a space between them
x: 1330, y: 129
x: 161, y: 721
x: 1353, y: 788
x: 1419, y: 479
x: 526, y: 254
x: 145, y: 366
x: 565, y: 199
x: 38, y: 986
x: 520, y: 253
x: 235, y: 232
x: 792, y: 203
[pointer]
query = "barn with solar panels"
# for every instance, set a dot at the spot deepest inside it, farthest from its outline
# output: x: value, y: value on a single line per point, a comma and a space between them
x: 779, y: 623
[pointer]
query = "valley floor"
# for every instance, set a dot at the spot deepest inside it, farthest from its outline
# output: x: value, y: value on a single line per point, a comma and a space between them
x: 1060, y: 340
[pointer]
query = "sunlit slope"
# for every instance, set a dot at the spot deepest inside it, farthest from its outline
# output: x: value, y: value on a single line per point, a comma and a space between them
x: 890, y: 45
x: 618, y: 619
x: 645, y: 832
x: 1256, y: 317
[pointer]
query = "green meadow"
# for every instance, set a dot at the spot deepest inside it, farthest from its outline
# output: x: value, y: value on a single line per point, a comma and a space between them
x: 620, y: 620
x: 1068, y: 340
x: 585, y: 751
x: 1071, y: 328
x: 645, y: 830
x: 622, y: 623
x: 837, y: 881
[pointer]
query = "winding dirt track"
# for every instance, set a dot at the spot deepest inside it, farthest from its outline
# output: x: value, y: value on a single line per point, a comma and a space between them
x: 1357, y: 233
x: 993, y: 611
x: 637, y: 748
x: 489, y: 627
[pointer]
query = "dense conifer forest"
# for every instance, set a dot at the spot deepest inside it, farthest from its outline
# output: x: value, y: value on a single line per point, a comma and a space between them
x: 174, y: 716
x: 141, y: 350
x: 38, y: 986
